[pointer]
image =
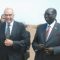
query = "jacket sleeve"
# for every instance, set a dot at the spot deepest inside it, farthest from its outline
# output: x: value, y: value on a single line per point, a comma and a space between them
x: 25, y: 39
x: 56, y: 50
x: 35, y: 43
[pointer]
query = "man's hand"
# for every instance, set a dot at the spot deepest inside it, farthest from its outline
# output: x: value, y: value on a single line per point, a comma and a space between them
x: 41, y: 46
x: 27, y: 54
x: 8, y: 42
x: 49, y: 50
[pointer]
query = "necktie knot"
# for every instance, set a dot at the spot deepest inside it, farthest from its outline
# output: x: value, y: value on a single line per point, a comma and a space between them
x: 8, y: 24
x: 48, y: 29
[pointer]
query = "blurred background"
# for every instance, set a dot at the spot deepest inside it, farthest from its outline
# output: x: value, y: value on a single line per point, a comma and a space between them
x: 30, y: 11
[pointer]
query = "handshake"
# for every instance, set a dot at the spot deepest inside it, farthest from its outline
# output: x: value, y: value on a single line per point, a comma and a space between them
x: 46, y: 50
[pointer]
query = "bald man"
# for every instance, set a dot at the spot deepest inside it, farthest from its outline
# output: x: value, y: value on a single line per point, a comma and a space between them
x: 13, y: 38
x: 46, y: 43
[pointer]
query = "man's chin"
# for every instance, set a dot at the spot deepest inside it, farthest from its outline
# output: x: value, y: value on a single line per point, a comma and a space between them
x: 9, y: 21
x: 49, y: 23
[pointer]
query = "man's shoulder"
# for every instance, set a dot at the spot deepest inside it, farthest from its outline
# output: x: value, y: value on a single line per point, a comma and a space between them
x: 42, y: 25
x: 2, y: 23
x: 19, y: 23
x: 57, y: 25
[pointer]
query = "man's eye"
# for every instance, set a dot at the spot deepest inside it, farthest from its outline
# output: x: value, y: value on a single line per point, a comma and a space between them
x: 8, y: 14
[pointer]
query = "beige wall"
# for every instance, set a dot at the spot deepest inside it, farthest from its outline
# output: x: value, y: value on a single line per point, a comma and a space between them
x: 32, y: 30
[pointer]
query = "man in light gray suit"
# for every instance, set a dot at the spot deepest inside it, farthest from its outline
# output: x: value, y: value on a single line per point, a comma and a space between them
x: 46, y: 43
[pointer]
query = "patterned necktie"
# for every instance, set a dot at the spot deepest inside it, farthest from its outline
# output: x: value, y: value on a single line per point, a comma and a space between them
x: 8, y: 31
x: 47, y: 32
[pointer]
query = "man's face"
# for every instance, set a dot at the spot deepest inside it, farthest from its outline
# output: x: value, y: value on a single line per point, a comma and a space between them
x: 2, y: 18
x: 50, y: 16
x: 8, y: 15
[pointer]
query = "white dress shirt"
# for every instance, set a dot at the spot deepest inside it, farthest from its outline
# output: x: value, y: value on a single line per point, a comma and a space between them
x: 51, y: 27
x: 11, y: 26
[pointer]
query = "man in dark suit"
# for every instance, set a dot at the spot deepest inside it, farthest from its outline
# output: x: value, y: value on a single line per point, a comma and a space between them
x: 13, y: 38
x: 46, y: 43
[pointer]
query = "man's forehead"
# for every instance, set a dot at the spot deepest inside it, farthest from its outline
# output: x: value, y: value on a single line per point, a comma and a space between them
x: 50, y: 10
x: 8, y: 10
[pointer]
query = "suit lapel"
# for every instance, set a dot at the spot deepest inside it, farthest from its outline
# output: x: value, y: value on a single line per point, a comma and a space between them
x: 53, y: 32
x: 13, y: 28
x: 3, y: 29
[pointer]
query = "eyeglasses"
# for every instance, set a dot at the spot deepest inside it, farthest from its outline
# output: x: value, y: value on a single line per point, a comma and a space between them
x: 8, y: 14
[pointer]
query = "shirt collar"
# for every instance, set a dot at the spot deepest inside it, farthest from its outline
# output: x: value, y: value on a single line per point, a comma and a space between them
x: 51, y: 25
x: 10, y: 23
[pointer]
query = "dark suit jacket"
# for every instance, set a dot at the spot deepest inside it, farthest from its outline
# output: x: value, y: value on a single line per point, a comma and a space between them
x: 27, y: 52
x: 20, y: 41
x: 53, y: 41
